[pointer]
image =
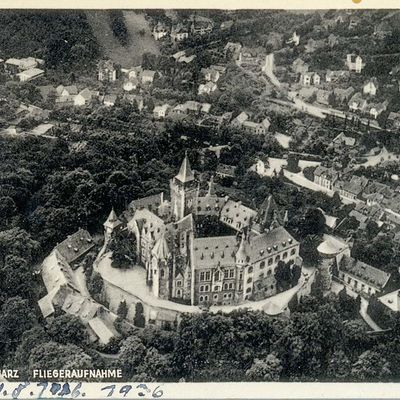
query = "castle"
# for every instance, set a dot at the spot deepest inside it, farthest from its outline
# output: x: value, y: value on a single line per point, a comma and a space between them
x: 219, y: 270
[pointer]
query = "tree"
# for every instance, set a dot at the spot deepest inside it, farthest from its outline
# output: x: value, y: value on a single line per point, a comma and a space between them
x: 66, y: 329
x: 139, y: 319
x: 123, y: 249
x: 154, y: 365
x: 339, y: 367
x: 95, y: 286
x: 293, y: 163
x: 266, y: 370
x: 313, y: 223
x: 17, y: 317
x: 131, y: 355
x: 51, y: 355
x: 122, y: 309
x: 371, y: 366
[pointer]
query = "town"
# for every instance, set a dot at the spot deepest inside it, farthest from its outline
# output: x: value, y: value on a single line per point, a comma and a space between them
x: 202, y: 195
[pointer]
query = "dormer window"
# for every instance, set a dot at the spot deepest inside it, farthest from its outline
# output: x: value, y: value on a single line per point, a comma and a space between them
x: 290, y: 241
x: 283, y: 243
x: 269, y: 249
x: 275, y: 247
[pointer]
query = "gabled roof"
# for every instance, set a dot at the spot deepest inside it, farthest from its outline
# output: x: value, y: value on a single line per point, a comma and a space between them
x: 185, y: 173
x: 112, y: 220
x: 160, y: 249
x: 75, y: 245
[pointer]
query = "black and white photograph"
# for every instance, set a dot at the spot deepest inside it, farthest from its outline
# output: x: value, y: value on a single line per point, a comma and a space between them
x: 199, y: 195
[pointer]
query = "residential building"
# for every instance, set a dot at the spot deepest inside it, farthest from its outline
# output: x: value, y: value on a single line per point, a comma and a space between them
x: 207, y: 88
x: 325, y: 177
x: 351, y: 189
x: 15, y: 65
x: 299, y: 66
x: 225, y: 171
x: 160, y: 112
x: 179, y: 33
x: 393, y: 121
x: 342, y: 141
x: 63, y: 91
x: 324, y: 97
x: 342, y: 96
x: 357, y: 103
x: 371, y: 87
x: 376, y: 109
x: 160, y: 30
x: 108, y: 71
x: 84, y: 97
x: 210, y: 74
x: 131, y: 84
x: 109, y: 100
x: 147, y: 76
x: 30, y: 74
x: 355, y: 63
x: 336, y: 76
x: 361, y: 277
x: 310, y: 78
x: 201, y: 26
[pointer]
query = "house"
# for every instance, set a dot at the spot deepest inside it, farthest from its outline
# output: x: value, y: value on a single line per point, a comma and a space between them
x: 310, y: 78
x: 30, y: 74
x: 377, y: 109
x: 201, y: 25
x: 131, y: 84
x: 351, y: 189
x: 42, y: 130
x: 225, y: 171
x: 207, y: 88
x: 393, y: 120
x: 325, y: 177
x: 371, y: 87
x: 160, y: 112
x: 295, y: 39
x: 159, y: 31
x: 354, y: 63
x: 135, y: 100
x: 299, y: 66
x: 249, y: 56
x: 63, y: 91
x: 179, y: 32
x: 108, y: 71
x: 210, y: 74
x: 84, y: 97
x: 336, y: 76
x: 256, y: 128
x: 342, y: 96
x: 361, y: 277
x: 341, y: 141
x: 109, y: 100
x: 232, y: 48
x: 226, y: 25
x: 324, y: 97
x: 240, y: 119
x: 15, y: 65
x: 357, y: 103
x: 187, y: 59
x: 134, y: 72
x: 147, y: 76
x: 47, y: 91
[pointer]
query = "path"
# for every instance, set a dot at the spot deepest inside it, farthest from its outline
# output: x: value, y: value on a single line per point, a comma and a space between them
x: 366, y: 317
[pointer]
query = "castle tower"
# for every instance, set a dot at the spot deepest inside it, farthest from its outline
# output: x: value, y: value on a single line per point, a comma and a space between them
x: 211, y: 188
x: 242, y: 259
x: 111, y: 225
x: 183, y: 191
x: 160, y: 268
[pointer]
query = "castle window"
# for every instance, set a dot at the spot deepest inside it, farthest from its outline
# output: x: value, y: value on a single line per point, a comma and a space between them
x: 249, y: 280
x: 272, y: 287
x: 240, y: 286
x: 216, y: 288
x: 162, y: 273
x: 261, y: 275
x: 277, y: 258
x: 231, y: 273
x: 226, y: 274
x: 250, y: 270
x: 206, y: 288
x: 216, y: 276
x: 178, y: 293
x: 201, y: 288
x: 206, y: 298
x: 222, y: 254
x: 285, y: 255
x: 269, y: 272
x: 201, y: 298
x: 225, y: 286
x: 202, y: 275
x: 292, y: 252
x: 178, y: 283
x: 208, y: 275
x: 262, y: 264
x: 231, y: 285
x: 241, y: 275
x: 212, y: 255
x: 215, y: 297
x: 270, y: 261
x: 248, y: 290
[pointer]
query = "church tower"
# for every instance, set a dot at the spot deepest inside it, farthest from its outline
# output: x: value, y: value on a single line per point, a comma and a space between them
x: 184, y: 191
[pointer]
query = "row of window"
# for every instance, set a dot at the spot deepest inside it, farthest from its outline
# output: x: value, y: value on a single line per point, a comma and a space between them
x: 215, y: 297
x: 206, y: 275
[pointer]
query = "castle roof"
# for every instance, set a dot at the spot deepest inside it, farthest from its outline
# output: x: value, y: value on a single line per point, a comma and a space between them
x: 112, y: 220
x: 185, y: 173
x: 269, y: 212
x: 75, y: 245
x: 160, y: 249
x: 213, y: 251
x: 236, y: 214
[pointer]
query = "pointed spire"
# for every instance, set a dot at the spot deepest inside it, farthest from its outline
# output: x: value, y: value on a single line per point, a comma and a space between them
x: 211, y: 187
x: 112, y: 220
x: 185, y: 173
